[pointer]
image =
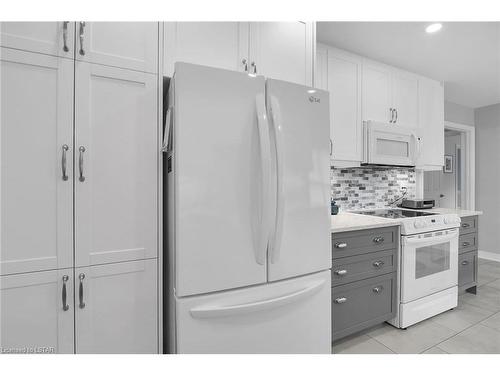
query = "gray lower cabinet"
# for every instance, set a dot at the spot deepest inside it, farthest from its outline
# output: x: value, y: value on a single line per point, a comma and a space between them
x: 467, y: 258
x: 364, y: 281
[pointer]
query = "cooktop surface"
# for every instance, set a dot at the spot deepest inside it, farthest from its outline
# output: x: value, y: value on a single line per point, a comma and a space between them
x: 395, y: 213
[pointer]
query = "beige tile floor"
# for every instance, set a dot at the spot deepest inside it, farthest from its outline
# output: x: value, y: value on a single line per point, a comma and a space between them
x: 473, y: 327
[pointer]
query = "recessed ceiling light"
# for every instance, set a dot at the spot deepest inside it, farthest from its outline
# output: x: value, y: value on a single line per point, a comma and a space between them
x: 434, y: 27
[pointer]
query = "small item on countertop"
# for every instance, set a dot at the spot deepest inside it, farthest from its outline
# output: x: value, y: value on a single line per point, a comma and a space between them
x: 334, y: 207
x: 418, y: 203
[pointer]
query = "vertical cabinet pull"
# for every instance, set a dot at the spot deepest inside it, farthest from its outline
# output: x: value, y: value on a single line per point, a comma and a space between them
x: 396, y: 118
x: 65, y: 148
x: 80, y: 291
x: 82, y: 26
x: 254, y: 66
x: 64, y: 293
x: 245, y: 64
x: 65, y: 36
x: 391, y: 113
x: 80, y: 163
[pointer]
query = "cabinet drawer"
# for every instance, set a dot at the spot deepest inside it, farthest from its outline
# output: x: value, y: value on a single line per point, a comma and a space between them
x: 362, y: 242
x: 468, y: 224
x: 467, y: 266
x: 361, y: 267
x: 362, y: 304
x: 467, y: 242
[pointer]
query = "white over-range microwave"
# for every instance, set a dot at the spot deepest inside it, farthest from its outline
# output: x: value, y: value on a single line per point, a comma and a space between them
x: 386, y: 144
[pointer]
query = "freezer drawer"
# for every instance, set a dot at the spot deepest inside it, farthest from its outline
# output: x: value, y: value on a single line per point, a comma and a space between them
x: 292, y: 316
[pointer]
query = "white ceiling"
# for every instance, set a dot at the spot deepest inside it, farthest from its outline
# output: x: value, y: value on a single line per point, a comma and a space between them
x: 465, y: 55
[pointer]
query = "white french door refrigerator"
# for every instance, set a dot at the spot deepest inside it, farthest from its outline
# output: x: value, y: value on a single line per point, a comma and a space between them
x: 248, y: 218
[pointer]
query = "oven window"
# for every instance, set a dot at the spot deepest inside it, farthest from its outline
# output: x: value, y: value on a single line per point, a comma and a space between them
x: 432, y: 259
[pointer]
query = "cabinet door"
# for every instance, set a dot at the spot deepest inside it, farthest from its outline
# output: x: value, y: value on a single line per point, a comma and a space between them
x: 116, y: 308
x: 130, y: 45
x: 116, y: 163
x: 344, y: 85
x: 43, y: 37
x: 36, y: 122
x: 377, y: 92
x: 216, y: 44
x: 431, y: 124
x: 36, y: 312
x: 282, y: 50
x: 405, y: 98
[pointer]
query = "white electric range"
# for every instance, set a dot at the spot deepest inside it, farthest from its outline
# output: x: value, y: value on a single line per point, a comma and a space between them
x: 428, y: 263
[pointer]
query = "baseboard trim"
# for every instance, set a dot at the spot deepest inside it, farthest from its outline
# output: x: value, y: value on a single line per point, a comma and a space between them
x: 489, y: 256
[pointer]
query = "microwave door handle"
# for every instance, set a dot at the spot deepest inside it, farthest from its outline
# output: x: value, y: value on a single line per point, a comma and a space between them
x: 429, y: 240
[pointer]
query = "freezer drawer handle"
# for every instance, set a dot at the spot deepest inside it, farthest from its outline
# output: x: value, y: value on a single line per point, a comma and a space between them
x: 378, y: 264
x: 341, y: 272
x: 211, y: 311
x: 465, y: 262
x: 340, y: 300
x: 80, y: 291
x: 64, y: 294
x: 340, y: 245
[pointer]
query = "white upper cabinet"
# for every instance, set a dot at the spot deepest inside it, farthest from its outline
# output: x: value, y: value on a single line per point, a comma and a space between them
x: 343, y: 81
x: 129, y: 45
x: 282, y: 50
x: 116, y: 308
x: 216, y: 44
x: 36, y: 311
x: 116, y: 164
x: 390, y: 95
x: 36, y: 170
x: 431, y: 124
x: 51, y: 38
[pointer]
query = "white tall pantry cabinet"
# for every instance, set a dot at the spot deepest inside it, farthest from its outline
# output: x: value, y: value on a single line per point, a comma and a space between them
x: 79, y: 187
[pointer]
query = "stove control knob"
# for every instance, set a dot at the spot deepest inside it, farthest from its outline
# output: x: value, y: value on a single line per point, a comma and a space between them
x: 419, y: 224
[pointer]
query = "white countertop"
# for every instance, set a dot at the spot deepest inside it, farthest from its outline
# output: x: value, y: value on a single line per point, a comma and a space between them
x: 460, y: 213
x: 348, y: 221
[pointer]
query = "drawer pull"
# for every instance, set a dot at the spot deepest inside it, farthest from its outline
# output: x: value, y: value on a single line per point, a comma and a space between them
x: 465, y: 225
x: 377, y: 289
x: 465, y: 244
x: 465, y: 262
x: 378, y: 264
x: 340, y: 245
x: 378, y: 239
x: 341, y: 272
x: 340, y: 300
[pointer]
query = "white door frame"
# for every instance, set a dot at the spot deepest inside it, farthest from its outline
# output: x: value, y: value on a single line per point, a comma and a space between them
x: 469, y: 144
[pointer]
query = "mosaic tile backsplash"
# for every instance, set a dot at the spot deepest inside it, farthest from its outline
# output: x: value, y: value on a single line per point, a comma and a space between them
x: 360, y: 188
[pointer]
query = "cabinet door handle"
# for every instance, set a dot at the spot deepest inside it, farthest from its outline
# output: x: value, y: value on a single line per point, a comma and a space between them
x: 465, y: 262
x: 64, y: 294
x: 81, y: 33
x: 254, y: 66
x: 378, y: 289
x: 65, y: 36
x: 80, y: 291
x: 340, y: 245
x: 378, y: 239
x: 396, y: 118
x: 245, y: 64
x: 465, y: 244
x: 340, y: 272
x: 378, y: 264
x: 391, y: 112
x: 465, y: 225
x: 80, y: 163
x: 340, y: 300
x: 63, y: 162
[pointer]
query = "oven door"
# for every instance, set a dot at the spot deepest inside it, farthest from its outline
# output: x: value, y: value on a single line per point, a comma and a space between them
x: 429, y: 263
x: 390, y: 145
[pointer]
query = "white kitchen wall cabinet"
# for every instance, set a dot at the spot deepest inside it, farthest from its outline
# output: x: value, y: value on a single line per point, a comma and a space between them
x: 116, y: 308
x: 37, y: 312
x: 343, y: 81
x: 36, y: 137
x: 217, y: 44
x: 431, y: 124
x: 51, y: 38
x: 390, y: 95
x: 281, y: 50
x: 116, y: 164
x: 130, y: 45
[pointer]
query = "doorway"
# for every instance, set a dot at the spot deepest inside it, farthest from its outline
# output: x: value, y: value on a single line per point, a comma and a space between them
x: 453, y: 186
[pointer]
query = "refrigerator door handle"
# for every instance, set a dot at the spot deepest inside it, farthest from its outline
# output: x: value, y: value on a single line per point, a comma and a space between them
x: 280, y: 197
x: 265, y: 159
x: 207, y: 311
x: 167, y: 147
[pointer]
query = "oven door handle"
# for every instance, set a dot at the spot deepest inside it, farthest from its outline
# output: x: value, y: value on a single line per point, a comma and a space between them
x: 433, y: 239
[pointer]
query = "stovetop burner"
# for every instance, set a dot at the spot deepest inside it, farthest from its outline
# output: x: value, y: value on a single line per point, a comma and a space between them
x: 396, y: 213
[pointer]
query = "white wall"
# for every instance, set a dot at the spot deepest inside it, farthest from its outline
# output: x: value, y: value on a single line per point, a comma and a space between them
x: 487, y: 120
x: 458, y: 113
